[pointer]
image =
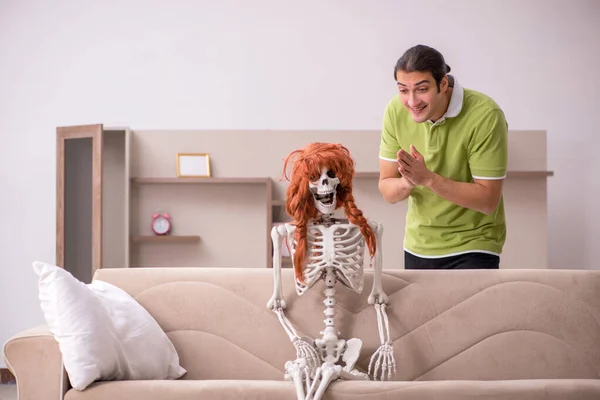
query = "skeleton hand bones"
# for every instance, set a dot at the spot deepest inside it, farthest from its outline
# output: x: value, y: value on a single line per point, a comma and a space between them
x: 305, y: 368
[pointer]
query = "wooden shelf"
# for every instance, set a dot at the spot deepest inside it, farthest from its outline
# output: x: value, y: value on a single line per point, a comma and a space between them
x: 360, y: 175
x: 199, y: 180
x: 133, y: 175
x: 165, y: 239
x: 529, y: 174
x: 510, y: 174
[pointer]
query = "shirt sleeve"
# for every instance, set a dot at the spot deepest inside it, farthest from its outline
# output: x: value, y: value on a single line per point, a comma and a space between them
x: 488, y: 154
x: 388, y: 146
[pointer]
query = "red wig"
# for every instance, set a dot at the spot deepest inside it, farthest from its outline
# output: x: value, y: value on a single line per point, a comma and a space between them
x: 307, y: 165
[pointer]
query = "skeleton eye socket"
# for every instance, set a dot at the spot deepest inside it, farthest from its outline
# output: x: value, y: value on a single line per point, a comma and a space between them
x: 331, y: 173
x: 313, y: 178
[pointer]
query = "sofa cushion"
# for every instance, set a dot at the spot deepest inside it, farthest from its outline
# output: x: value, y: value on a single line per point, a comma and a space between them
x: 102, y: 332
x: 343, y: 390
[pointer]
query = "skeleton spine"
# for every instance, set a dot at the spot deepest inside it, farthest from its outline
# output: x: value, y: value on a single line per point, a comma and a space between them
x: 330, y: 333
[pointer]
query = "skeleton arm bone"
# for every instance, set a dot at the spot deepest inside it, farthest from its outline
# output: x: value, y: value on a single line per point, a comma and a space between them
x: 384, y: 356
x: 277, y: 301
x: 377, y: 294
x: 304, y: 346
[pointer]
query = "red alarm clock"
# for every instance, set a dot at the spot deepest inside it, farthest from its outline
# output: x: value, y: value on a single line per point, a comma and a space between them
x: 161, y: 224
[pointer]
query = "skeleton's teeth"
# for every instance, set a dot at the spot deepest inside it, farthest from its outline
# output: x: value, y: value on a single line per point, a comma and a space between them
x: 326, y: 199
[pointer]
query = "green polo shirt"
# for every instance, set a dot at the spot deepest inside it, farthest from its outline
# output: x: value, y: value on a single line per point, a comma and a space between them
x: 469, y: 141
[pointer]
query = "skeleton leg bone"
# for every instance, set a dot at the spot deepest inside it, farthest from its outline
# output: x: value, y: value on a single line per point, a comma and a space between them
x: 297, y: 371
x: 328, y: 373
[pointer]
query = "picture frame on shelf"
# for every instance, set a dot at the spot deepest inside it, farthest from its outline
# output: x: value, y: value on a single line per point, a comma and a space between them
x: 193, y: 165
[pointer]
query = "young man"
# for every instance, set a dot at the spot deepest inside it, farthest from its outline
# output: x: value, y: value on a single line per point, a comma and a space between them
x: 445, y: 149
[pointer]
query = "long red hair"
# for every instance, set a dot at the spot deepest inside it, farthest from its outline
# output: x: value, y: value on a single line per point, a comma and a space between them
x: 307, y: 165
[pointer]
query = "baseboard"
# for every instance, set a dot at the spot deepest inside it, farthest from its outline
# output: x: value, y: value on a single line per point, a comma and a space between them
x: 6, y: 376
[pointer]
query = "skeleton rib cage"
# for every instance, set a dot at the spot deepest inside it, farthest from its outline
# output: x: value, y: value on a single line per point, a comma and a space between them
x: 340, y: 246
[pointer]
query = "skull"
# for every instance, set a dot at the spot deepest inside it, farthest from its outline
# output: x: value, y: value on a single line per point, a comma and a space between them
x: 324, y: 190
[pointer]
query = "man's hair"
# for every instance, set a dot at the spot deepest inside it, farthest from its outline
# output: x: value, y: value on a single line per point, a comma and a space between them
x: 421, y: 58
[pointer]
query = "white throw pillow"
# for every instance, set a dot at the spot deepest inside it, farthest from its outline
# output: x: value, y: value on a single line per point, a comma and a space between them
x: 103, y: 333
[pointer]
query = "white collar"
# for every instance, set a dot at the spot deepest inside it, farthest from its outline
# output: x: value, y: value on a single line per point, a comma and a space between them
x: 456, y: 102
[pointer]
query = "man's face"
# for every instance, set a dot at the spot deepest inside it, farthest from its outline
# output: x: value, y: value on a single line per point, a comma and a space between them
x: 420, y: 96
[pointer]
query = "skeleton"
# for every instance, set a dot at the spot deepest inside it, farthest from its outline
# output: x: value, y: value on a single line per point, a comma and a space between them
x: 334, y: 253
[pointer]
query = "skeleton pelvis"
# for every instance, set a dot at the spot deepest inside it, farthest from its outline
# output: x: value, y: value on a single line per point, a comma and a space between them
x: 330, y: 350
x: 351, y: 353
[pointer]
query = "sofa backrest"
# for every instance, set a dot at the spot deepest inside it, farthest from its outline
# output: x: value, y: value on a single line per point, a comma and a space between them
x: 445, y: 325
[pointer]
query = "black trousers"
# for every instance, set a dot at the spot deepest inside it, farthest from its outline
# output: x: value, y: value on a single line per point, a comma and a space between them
x: 461, y: 261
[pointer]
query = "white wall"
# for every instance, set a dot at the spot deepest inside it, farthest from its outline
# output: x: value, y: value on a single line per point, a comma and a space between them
x: 270, y: 64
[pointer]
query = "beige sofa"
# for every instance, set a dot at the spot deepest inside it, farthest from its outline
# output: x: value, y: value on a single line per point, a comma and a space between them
x: 503, y: 334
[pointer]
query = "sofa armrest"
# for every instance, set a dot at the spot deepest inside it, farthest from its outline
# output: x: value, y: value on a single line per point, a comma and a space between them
x: 34, y: 358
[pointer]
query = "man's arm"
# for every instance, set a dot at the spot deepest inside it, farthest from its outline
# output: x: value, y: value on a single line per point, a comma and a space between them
x: 487, y: 161
x: 483, y: 195
x: 392, y: 185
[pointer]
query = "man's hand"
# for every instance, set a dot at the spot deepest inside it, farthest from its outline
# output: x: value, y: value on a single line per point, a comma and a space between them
x: 482, y: 195
x: 412, y: 166
x: 392, y: 185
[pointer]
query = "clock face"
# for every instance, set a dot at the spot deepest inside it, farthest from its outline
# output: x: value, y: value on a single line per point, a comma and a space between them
x: 160, y: 226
